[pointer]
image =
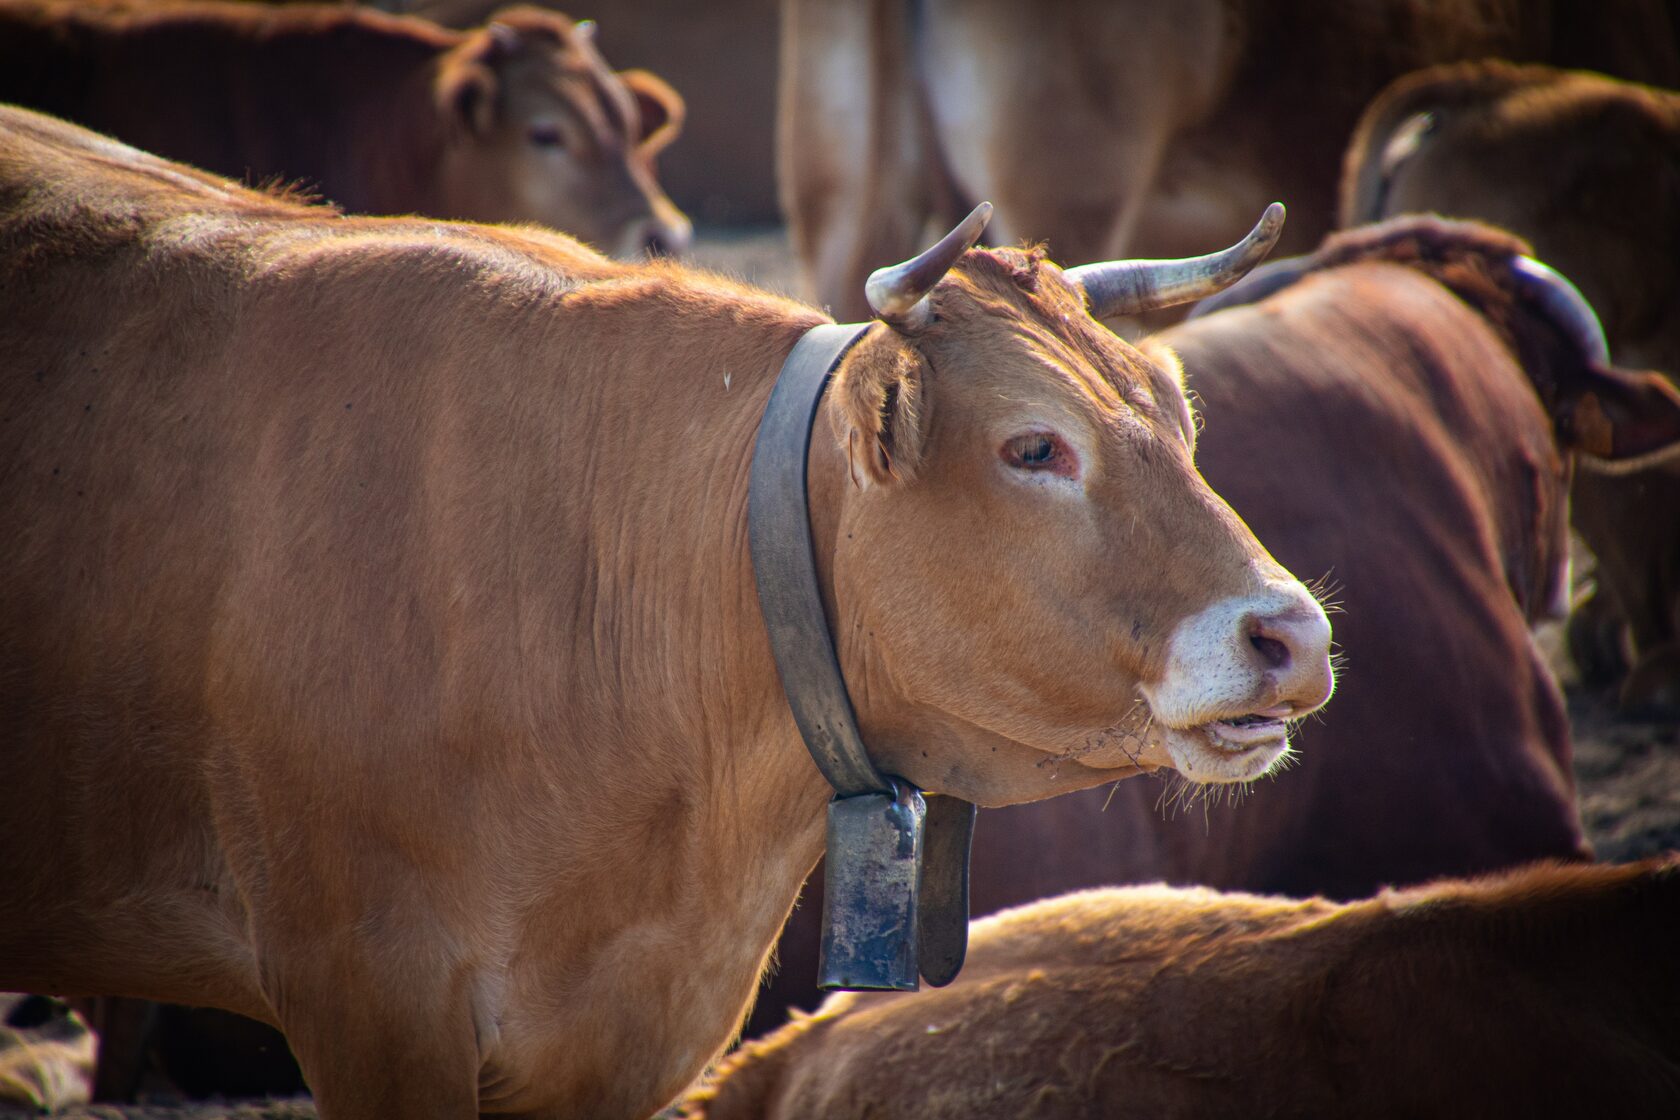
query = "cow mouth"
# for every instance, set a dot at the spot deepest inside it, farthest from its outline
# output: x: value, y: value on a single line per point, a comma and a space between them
x: 1247, y: 731
x: 1236, y: 749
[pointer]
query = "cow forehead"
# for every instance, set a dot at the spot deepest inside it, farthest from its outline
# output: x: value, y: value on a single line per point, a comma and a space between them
x: 1010, y: 314
x: 574, y: 80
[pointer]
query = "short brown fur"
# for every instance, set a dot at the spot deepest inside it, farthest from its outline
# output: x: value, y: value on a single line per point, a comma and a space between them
x: 1548, y: 991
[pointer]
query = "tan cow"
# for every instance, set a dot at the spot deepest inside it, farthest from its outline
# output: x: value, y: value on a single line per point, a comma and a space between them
x: 1119, y: 128
x: 1433, y: 408
x: 1588, y: 169
x: 518, y: 121
x: 381, y: 654
x: 1546, y: 992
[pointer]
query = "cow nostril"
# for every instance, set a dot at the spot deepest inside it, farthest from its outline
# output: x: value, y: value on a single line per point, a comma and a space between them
x: 1272, y: 651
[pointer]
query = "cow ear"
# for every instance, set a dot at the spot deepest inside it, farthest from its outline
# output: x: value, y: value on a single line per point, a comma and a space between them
x: 465, y: 90
x: 1618, y: 415
x: 878, y: 414
x: 661, y: 109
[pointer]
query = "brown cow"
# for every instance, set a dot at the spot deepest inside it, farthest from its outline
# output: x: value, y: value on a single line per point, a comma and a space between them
x: 1546, y: 992
x: 1107, y: 127
x: 381, y: 654
x: 517, y: 121
x: 1423, y: 475
x: 1588, y: 169
x: 722, y: 55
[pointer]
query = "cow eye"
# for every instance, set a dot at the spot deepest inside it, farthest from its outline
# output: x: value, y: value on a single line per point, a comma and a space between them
x: 1037, y: 451
x: 544, y: 135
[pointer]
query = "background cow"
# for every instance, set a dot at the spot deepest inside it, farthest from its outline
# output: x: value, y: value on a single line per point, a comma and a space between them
x: 1429, y: 406
x: 518, y: 121
x: 1548, y: 992
x: 722, y: 55
x: 382, y: 658
x: 1120, y: 127
x: 1588, y: 169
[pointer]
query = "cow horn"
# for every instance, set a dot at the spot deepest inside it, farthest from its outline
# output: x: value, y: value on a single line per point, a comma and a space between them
x: 1130, y: 287
x: 1564, y: 304
x: 898, y: 294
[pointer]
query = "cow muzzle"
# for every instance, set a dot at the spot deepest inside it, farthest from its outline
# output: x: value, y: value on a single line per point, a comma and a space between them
x: 656, y: 237
x: 1237, y: 673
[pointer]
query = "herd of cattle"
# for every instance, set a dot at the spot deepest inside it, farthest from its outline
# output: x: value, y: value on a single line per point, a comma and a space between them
x: 382, y: 659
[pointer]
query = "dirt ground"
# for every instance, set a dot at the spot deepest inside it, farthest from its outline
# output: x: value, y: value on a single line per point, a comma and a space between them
x: 1628, y: 771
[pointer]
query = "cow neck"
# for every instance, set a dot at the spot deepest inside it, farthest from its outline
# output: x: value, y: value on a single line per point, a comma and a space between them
x: 895, y: 903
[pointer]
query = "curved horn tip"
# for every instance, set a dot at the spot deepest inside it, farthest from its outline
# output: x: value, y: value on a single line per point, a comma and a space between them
x: 1270, y: 226
x: 1114, y: 288
x: 898, y: 293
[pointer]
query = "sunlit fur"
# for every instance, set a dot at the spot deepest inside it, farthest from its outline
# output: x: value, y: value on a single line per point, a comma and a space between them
x: 1548, y: 991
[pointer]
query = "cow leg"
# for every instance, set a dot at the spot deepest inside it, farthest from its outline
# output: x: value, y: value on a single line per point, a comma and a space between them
x: 850, y: 147
x: 374, y: 1043
x: 125, y: 1028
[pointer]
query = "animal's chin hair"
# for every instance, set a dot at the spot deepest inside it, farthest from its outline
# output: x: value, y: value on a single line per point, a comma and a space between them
x: 1182, y: 794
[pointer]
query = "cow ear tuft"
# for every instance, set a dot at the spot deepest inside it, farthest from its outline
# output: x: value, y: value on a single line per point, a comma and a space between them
x: 879, y: 415
x: 660, y: 108
x: 1618, y: 416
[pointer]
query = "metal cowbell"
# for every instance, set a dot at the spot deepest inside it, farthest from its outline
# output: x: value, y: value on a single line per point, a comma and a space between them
x: 870, y: 890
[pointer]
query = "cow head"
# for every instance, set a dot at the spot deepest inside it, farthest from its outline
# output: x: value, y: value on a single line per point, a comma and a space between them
x: 1584, y: 166
x: 1032, y: 587
x: 542, y: 130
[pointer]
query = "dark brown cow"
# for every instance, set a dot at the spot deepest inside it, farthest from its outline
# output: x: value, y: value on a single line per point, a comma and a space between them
x: 381, y: 657
x: 1587, y: 169
x: 1423, y: 478
x: 1547, y: 992
x: 517, y: 121
x: 1120, y: 126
